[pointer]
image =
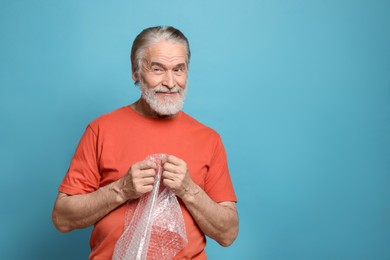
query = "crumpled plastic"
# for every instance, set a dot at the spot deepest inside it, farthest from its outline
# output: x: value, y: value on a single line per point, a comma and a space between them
x: 155, y: 229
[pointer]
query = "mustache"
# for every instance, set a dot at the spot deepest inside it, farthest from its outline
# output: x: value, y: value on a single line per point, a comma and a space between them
x: 162, y: 89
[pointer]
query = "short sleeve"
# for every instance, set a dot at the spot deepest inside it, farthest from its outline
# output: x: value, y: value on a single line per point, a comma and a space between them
x: 83, y: 174
x: 218, y: 184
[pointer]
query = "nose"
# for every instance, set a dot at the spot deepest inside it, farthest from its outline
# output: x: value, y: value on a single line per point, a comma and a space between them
x: 169, y: 79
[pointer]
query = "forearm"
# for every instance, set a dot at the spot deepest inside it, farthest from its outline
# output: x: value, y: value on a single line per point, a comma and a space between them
x: 218, y: 221
x: 80, y: 211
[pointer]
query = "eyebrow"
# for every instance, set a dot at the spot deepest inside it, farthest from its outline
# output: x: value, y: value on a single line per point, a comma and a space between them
x: 154, y: 63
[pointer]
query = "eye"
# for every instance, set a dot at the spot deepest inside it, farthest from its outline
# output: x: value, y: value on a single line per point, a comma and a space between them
x: 179, y: 70
x: 157, y: 69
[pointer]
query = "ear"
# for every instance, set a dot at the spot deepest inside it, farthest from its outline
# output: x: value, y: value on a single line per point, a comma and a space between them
x: 134, y: 75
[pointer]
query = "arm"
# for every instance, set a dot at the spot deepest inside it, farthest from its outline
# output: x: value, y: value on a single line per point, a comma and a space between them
x: 79, y: 211
x: 216, y: 220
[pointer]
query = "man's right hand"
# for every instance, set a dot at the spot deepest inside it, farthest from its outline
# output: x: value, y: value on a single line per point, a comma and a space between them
x: 138, y: 180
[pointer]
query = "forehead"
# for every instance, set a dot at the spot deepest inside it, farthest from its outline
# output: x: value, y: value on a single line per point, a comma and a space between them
x: 166, y: 52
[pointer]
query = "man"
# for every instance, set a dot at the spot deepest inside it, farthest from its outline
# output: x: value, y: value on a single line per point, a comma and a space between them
x: 108, y: 168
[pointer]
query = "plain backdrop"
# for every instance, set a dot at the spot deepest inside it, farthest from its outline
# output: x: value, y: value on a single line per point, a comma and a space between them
x: 299, y: 91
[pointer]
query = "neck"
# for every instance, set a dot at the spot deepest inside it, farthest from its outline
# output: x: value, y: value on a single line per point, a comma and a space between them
x: 144, y: 109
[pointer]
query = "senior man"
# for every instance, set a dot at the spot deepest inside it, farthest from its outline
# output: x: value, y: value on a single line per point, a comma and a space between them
x: 108, y: 168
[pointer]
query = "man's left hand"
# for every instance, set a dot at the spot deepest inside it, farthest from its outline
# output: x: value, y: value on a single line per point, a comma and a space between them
x: 176, y: 176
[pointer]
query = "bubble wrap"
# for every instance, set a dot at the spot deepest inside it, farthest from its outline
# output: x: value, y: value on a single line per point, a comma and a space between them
x: 155, y: 229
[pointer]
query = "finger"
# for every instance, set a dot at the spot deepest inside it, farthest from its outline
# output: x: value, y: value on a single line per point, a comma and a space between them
x: 147, y: 188
x: 140, y: 174
x: 175, y: 160
x: 168, y: 175
x: 144, y: 165
x: 170, y: 167
x: 169, y: 183
x: 144, y: 189
x: 147, y: 173
x: 148, y: 181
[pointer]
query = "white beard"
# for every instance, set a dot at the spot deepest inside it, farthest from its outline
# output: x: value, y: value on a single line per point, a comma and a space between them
x: 167, y: 106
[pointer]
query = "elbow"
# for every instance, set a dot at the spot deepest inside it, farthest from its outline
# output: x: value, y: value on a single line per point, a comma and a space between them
x: 229, y: 231
x: 228, y: 238
x: 227, y: 228
x: 226, y: 243
x: 59, y: 216
x: 59, y: 224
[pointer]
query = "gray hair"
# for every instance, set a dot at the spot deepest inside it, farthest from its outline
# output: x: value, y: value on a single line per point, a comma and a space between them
x: 151, y: 36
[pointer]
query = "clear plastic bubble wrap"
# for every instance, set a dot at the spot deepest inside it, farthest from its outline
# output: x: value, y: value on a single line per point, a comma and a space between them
x: 155, y: 229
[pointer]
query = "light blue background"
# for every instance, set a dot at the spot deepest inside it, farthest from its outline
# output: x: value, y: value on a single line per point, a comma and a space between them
x: 299, y: 91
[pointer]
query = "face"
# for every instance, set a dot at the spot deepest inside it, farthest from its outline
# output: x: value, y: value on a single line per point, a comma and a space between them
x: 163, y: 77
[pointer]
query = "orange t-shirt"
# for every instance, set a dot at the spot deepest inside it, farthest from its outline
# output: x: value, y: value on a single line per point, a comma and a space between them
x: 117, y: 140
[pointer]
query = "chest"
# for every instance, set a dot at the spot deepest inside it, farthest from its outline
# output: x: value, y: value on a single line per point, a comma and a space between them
x: 117, y: 152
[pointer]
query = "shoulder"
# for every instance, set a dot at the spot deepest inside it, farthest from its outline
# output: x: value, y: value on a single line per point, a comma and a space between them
x: 194, y: 124
x: 111, y: 119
